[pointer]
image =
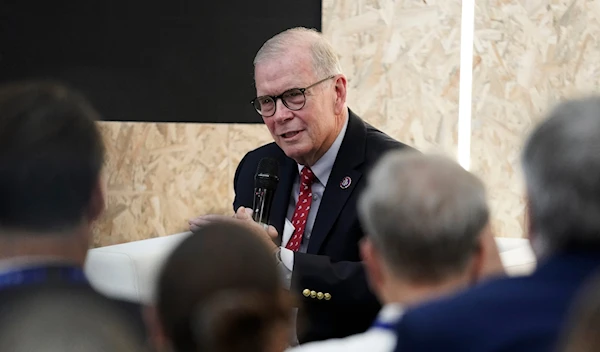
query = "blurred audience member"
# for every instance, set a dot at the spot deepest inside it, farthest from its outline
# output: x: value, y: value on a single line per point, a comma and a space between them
x: 61, y: 319
x: 220, y: 292
x: 583, y: 327
x: 428, y: 235
x: 561, y: 163
x: 51, y: 155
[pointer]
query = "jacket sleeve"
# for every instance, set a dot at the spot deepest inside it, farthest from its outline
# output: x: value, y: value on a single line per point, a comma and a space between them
x: 240, y: 186
x: 344, y: 282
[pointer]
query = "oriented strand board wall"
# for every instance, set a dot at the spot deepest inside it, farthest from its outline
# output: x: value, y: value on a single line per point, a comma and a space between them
x: 530, y: 55
x: 159, y: 175
x: 402, y: 60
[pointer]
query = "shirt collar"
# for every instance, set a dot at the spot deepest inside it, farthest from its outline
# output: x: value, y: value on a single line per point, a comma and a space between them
x: 322, y: 168
x: 390, y: 313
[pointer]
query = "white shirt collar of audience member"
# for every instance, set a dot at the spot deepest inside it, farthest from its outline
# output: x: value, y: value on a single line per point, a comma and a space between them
x: 322, y: 168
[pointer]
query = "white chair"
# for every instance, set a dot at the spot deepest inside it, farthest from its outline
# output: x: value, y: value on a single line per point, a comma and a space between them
x: 516, y: 255
x: 130, y: 270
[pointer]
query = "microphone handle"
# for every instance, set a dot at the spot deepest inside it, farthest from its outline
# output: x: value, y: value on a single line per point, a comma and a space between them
x: 261, y: 209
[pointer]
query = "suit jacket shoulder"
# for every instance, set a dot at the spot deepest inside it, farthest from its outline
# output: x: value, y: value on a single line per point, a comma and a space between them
x: 130, y: 312
x: 377, y: 143
x: 516, y: 313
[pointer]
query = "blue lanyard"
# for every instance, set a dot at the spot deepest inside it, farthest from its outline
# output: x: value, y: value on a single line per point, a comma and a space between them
x: 39, y: 275
x: 384, y: 325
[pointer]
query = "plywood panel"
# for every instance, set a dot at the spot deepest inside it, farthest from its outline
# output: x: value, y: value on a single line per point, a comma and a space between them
x: 402, y: 60
x: 531, y: 55
x: 159, y: 175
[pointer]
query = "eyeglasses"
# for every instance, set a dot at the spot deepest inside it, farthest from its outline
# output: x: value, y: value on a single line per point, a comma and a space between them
x: 293, y: 99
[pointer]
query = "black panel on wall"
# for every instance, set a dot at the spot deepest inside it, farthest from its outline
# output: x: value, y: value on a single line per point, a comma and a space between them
x: 149, y: 60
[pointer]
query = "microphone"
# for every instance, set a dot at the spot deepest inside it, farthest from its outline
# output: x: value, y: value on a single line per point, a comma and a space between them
x: 265, y: 183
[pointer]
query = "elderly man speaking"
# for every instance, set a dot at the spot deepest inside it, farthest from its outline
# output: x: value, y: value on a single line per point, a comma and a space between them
x: 323, y: 150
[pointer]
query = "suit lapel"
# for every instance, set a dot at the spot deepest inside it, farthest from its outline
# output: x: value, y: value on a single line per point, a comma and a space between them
x: 288, y: 171
x: 350, y: 156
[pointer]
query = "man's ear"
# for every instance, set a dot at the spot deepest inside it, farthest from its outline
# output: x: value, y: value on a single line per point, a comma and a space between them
x: 486, y: 261
x: 372, y: 263
x: 97, y: 200
x: 528, y: 225
x: 156, y: 335
x: 539, y: 248
x: 340, y: 85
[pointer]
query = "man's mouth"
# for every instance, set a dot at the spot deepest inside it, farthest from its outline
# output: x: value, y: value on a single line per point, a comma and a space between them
x: 290, y: 134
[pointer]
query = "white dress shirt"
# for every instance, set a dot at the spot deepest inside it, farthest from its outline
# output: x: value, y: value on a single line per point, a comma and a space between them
x: 376, y: 339
x: 322, y: 169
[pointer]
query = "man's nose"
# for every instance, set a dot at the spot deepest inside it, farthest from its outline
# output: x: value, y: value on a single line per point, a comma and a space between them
x: 282, y: 112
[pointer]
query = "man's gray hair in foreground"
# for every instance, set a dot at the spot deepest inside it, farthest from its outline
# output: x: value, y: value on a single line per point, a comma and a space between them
x: 561, y: 162
x: 424, y: 214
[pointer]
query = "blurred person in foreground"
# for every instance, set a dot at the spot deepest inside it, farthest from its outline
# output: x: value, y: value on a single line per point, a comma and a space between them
x: 324, y: 150
x: 60, y: 319
x: 561, y: 164
x: 428, y: 235
x: 51, y: 156
x: 220, y: 292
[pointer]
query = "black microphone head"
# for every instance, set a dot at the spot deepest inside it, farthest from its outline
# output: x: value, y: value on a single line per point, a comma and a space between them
x: 267, y: 174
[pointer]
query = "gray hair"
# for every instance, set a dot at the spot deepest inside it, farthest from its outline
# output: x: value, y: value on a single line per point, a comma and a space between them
x: 561, y: 163
x: 324, y: 58
x: 424, y: 213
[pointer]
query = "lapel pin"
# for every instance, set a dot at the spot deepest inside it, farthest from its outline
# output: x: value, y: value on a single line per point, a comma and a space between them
x: 346, y: 181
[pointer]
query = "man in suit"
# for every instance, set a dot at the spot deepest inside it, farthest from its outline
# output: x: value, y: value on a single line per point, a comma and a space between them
x: 323, y: 150
x: 561, y: 164
x: 51, y: 156
x: 427, y: 236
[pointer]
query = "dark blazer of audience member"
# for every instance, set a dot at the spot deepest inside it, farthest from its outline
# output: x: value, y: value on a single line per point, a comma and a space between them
x: 219, y: 291
x: 58, y: 318
x: 51, y: 157
x: 561, y: 164
x: 581, y: 333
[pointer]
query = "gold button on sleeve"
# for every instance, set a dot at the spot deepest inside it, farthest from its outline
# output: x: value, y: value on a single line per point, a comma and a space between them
x: 306, y: 292
x: 320, y: 295
x: 313, y: 294
x: 327, y: 296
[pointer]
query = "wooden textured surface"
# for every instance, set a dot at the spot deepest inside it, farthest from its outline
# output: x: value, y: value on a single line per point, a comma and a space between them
x: 159, y: 175
x: 531, y: 55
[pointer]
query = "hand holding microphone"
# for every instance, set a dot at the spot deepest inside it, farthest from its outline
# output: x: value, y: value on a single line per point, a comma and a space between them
x: 243, y: 215
x: 265, y: 183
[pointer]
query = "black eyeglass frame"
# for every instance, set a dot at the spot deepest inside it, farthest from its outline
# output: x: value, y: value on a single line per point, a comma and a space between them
x: 280, y: 96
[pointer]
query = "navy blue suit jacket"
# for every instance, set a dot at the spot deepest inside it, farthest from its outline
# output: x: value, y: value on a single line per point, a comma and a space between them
x: 509, y: 314
x: 332, y: 262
